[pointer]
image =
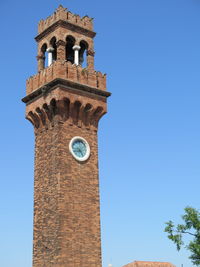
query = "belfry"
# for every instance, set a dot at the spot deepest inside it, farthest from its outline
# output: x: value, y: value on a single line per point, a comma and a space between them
x: 65, y: 101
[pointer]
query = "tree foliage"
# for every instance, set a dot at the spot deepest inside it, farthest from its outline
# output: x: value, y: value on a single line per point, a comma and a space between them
x: 191, y: 227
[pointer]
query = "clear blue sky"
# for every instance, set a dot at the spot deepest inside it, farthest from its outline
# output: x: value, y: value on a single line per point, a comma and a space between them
x: 149, y: 142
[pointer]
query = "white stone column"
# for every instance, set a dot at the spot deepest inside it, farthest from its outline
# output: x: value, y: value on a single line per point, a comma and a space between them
x: 50, y: 55
x: 76, y: 49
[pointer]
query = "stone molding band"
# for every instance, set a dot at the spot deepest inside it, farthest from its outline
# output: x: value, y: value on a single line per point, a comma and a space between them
x: 68, y: 85
x: 66, y: 25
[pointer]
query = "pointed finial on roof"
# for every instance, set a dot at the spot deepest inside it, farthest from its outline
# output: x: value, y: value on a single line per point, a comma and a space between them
x: 60, y: 8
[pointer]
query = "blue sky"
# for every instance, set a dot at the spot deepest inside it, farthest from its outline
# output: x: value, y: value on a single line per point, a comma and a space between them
x: 149, y: 141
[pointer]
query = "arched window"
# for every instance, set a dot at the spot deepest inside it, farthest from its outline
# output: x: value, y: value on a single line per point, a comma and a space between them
x: 82, y: 54
x: 70, y: 41
x: 53, y: 45
x: 44, y: 55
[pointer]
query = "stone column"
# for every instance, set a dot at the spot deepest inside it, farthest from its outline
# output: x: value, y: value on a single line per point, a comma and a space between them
x: 76, y: 49
x: 50, y: 55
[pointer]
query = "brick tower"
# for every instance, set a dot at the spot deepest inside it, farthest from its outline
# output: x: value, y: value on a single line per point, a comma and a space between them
x: 64, y: 102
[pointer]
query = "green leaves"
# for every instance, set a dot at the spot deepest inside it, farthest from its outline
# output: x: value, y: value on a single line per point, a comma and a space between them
x: 191, y: 218
x: 191, y: 227
x: 176, y: 238
x: 194, y: 247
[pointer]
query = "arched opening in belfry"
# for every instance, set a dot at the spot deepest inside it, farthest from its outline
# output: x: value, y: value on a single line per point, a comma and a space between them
x: 82, y: 54
x: 54, y: 50
x: 44, y: 56
x: 70, y: 41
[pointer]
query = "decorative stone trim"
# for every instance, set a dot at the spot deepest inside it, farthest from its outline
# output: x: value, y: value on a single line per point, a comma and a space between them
x: 78, y: 138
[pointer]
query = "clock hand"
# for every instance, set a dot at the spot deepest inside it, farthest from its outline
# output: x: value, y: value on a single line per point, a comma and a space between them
x: 80, y: 151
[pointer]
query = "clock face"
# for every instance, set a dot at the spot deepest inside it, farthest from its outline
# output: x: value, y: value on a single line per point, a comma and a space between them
x: 79, y: 148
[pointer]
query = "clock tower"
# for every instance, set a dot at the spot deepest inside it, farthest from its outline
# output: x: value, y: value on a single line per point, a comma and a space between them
x: 65, y: 101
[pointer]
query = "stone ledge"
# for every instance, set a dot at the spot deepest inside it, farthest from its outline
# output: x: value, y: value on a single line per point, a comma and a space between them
x: 68, y: 85
x: 67, y: 25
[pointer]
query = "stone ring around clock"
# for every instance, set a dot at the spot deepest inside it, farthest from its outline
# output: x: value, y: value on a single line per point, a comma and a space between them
x: 79, y: 148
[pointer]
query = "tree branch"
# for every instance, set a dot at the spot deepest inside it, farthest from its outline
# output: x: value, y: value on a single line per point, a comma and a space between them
x: 185, y: 232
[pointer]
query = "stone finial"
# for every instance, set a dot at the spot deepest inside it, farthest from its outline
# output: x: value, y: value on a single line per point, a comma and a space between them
x: 60, y: 7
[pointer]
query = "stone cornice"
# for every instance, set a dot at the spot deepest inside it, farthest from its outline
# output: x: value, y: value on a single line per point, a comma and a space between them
x: 68, y: 85
x: 66, y: 25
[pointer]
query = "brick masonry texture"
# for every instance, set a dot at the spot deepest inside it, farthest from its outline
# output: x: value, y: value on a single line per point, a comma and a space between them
x: 57, y: 26
x: 66, y: 200
x: 66, y: 70
x: 62, y: 14
x: 66, y: 196
x: 63, y: 101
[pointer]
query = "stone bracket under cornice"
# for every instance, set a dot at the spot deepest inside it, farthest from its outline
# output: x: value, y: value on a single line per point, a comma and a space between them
x: 66, y: 25
x: 68, y: 85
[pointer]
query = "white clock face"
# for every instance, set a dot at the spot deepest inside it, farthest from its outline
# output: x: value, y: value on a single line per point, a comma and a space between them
x: 79, y: 148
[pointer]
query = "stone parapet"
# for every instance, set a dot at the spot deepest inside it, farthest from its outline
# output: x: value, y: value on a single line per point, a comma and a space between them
x: 68, y: 71
x: 63, y: 14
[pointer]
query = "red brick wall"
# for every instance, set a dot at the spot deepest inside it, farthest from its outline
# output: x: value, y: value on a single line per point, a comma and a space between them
x: 66, y: 192
x: 66, y: 70
x: 64, y: 14
x: 66, y: 202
